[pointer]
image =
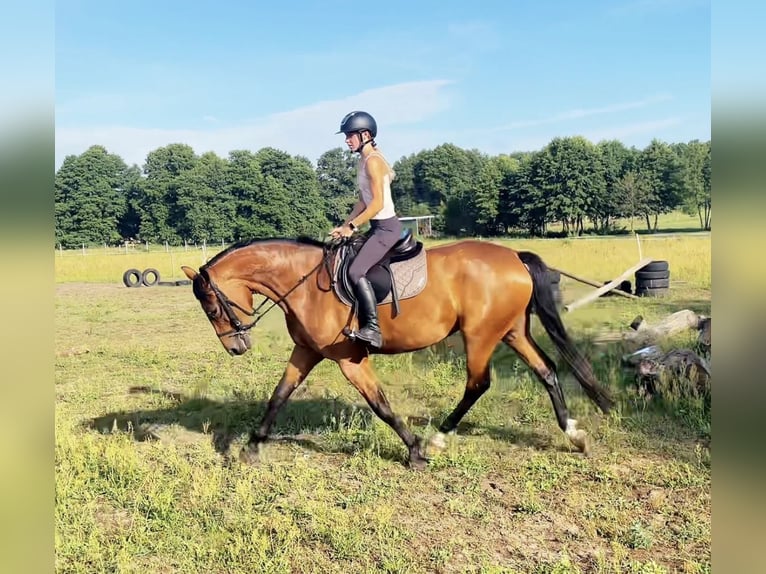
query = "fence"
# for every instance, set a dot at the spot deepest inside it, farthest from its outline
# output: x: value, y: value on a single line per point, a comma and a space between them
x: 135, y: 247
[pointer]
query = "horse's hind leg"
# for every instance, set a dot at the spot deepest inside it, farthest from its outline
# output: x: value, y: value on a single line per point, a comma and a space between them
x: 520, y: 340
x: 302, y: 360
x: 478, y: 351
x: 358, y: 371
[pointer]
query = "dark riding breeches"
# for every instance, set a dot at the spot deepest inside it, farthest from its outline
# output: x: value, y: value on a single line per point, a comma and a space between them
x: 385, y: 233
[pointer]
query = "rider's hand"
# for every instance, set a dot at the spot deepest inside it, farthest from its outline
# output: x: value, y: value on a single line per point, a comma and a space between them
x: 341, y: 231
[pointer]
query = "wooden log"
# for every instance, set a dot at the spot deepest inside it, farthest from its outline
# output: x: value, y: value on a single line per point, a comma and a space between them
x: 608, y: 287
x: 641, y: 333
x: 680, y: 370
x: 595, y: 284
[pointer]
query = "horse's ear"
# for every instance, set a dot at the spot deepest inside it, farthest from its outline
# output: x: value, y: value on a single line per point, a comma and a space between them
x: 189, y: 272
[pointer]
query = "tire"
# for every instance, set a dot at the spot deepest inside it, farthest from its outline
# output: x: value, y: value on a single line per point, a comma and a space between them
x: 166, y: 283
x: 150, y: 277
x: 132, y: 278
x: 624, y: 286
x: 651, y: 292
x: 554, y: 276
x: 647, y: 275
x: 655, y: 266
x: 653, y: 284
x: 183, y: 282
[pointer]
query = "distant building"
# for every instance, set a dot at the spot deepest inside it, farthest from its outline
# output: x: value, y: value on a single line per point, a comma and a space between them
x: 420, y: 224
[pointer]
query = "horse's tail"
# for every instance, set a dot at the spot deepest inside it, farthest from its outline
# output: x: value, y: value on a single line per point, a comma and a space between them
x: 545, y: 307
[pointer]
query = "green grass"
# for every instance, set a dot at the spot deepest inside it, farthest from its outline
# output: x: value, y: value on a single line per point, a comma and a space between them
x: 148, y: 404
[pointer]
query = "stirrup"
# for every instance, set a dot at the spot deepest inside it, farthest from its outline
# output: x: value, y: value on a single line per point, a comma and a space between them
x: 354, y: 336
x: 377, y: 343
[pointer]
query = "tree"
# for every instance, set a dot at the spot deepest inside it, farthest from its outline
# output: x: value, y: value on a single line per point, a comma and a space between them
x: 662, y: 170
x: 617, y: 161
x: 633, y: 196
x: 245, y: 186
x: 403, y: 187
x: 91, y: 197
x: 695, y: 179
x: 290, y: 197
x: 443, y: 178
x: 521, y: 204
x: 204, y: 202
x: 484, y: 197
x: 569, y: 173
x: 336, y: 175
x: 156, y: 194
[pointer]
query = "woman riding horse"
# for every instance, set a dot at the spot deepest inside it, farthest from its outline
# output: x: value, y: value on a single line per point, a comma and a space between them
x: 376, y: 206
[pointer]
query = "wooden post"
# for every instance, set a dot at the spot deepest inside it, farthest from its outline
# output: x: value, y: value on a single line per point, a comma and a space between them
x: 608, y: 287
x: 595, y: 284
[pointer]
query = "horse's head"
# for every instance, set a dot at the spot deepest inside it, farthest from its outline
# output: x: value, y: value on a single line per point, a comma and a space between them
x: 228, y: 305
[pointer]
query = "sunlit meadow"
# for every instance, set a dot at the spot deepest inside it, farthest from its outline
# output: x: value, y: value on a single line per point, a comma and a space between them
x: 145, y: 393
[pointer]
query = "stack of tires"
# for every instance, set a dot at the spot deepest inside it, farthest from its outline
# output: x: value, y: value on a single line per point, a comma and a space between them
x: 653, y: 280
x: 148, y: 278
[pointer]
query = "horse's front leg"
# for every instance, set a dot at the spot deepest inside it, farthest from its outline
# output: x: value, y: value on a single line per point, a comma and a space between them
x: 358, y: 371
x: 302, y: 360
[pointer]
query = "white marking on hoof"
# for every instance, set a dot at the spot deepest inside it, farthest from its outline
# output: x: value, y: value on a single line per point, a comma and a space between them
x: 578, y: 437
x: 437, y: 443
x: 439, y: 440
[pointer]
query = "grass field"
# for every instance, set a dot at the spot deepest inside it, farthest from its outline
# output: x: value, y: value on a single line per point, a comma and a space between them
x: 144, y: 393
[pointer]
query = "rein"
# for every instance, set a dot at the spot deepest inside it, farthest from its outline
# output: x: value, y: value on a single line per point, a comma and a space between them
x: 238, y: 328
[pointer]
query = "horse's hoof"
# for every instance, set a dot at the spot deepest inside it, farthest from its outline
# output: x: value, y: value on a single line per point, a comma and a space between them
x: 417, y: 460
x: 582, y: 442
x: 417, y: 463
x: 250, y: 454
x: 578, y: 437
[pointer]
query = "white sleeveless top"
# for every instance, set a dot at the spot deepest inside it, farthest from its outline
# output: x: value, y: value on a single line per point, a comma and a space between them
x: 365, y: 190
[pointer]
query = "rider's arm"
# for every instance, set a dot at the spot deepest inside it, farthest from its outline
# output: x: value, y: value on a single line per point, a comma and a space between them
x: 358, y: 208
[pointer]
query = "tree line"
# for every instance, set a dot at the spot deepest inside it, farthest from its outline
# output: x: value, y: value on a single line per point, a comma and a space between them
x: 180, y: 196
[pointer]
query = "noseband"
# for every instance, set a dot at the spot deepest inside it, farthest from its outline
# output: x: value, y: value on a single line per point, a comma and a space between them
x: 238, y: 329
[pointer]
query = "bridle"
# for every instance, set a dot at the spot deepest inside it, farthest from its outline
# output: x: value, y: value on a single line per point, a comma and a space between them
x: 238, y: 329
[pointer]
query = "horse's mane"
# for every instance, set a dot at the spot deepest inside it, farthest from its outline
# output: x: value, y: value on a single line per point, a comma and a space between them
x: 302, y: 240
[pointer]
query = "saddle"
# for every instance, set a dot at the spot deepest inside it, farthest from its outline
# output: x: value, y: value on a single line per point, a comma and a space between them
x: 401, y: 273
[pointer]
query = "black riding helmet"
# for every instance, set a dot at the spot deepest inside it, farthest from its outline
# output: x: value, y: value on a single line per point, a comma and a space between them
x: 358, y: 121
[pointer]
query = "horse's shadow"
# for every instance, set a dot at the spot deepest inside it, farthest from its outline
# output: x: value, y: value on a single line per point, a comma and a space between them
x: 304, y: 422
x: 300, y: 421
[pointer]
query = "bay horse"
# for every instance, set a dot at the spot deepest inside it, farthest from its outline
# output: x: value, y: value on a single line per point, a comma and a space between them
x: 484, y: 290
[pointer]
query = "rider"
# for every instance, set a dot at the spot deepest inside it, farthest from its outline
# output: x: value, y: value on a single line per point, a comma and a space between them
x: 375, y: 205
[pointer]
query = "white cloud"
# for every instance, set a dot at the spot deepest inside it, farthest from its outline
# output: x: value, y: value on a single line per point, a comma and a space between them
x: 584, y: 113
x: 308, y: 131
x: 627, y: 131
x: 636, y: 133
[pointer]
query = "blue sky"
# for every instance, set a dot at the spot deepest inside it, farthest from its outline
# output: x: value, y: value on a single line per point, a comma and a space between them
x: 500, y: 76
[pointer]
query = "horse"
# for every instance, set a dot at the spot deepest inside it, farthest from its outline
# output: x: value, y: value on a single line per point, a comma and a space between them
x: 484, y: 290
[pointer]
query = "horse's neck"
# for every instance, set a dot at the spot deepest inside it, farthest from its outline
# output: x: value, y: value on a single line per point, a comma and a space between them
x: 280, y: 268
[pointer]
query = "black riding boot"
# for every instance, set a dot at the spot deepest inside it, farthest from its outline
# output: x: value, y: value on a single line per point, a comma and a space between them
x: 369, y: 330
